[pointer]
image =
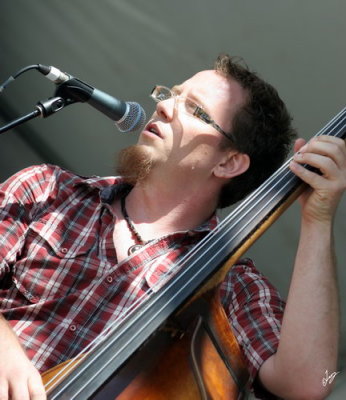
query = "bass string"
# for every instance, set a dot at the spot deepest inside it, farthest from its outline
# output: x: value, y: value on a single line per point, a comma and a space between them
x: 245, y: 205
x: 258, y: 194
x: 250, y: 199
x: 147, y: 323
x: 199, y: 247
x: 62, y: 372
x: 115, y: 322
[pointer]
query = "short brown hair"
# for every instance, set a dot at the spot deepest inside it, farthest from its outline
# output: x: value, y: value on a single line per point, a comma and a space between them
x: 261, y: 128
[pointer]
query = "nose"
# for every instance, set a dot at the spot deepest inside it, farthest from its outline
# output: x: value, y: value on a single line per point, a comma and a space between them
x: 166, y: 108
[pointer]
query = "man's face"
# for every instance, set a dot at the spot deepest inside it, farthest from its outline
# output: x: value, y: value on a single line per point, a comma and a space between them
x: 181, y: 142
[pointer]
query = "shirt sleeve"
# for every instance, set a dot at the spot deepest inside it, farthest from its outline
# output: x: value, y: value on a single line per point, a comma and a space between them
x: 21, y: 198
x: 255, y: 310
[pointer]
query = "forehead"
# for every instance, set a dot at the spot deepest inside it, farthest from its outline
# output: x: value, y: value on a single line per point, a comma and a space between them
x: 207, y: 83
x: 219, y: 95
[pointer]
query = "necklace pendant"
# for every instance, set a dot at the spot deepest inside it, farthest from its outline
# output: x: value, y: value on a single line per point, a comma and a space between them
x: 134, y: 248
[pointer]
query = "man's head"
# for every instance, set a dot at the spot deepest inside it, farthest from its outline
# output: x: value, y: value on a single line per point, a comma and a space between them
x: 261, y: 128
x: 186, y: 134
x: 183, y: 138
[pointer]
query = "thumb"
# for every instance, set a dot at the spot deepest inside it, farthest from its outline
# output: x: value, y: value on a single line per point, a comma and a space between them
x: 299, y: 143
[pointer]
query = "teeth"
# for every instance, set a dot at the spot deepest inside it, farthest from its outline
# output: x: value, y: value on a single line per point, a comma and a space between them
x: 153, y: 131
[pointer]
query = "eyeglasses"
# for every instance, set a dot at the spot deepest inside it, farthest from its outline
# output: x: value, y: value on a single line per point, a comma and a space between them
x: 161, y: 93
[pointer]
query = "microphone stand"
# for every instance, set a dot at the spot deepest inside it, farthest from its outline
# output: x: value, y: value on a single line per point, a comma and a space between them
x: 43, y: 108
x: 69, y: 92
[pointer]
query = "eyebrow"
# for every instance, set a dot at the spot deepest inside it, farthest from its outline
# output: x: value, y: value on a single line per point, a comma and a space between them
x: 177, y: 88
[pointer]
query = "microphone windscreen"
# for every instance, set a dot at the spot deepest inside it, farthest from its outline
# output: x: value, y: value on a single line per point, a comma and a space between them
x: 133, y: 119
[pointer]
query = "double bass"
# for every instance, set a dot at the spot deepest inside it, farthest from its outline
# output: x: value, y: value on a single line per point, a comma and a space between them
x: 177, y: 344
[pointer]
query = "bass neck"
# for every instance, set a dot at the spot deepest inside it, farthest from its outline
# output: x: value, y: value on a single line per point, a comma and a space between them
x: 203, y: 268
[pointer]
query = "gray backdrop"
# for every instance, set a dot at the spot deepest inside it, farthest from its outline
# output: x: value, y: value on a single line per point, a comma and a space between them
x: 125, y: 47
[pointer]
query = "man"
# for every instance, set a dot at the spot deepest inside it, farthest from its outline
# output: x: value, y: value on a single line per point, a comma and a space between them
x: 77, y: 252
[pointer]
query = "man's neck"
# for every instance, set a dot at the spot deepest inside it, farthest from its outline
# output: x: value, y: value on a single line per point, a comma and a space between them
x: 161, y: 207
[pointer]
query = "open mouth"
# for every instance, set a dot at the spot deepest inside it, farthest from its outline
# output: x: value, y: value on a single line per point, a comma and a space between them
x: 153, y: 129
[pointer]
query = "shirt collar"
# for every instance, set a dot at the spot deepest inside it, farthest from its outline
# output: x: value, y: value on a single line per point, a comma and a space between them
x: 109, y: 187
x: 112, y: 187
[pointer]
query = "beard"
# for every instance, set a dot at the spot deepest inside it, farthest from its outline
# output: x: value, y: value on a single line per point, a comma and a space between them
x: 134, y: 164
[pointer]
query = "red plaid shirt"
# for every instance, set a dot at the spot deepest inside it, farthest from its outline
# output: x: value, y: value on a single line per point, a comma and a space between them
x: 60, y: 282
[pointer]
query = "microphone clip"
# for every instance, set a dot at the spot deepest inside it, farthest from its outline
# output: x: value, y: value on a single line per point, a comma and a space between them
x: 74, y: 90
x: 51, y: 106
x: 43, y: 108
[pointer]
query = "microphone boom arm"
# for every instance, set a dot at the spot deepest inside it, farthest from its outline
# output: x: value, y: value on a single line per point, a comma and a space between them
x: 43, y: 108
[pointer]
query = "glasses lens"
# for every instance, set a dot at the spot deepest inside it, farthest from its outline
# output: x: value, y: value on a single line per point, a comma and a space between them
x: 161, y: 93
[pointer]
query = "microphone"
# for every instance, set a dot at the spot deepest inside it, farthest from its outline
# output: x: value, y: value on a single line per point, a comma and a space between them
x: 128, y: 116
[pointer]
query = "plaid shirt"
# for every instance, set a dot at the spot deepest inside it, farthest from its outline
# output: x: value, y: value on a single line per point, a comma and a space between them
x: 60, y: 282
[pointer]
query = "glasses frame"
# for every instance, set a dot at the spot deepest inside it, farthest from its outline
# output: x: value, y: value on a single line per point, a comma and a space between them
x: 198, y: 112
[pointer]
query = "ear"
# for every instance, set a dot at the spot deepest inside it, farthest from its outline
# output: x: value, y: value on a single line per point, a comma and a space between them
x: 231, y: 165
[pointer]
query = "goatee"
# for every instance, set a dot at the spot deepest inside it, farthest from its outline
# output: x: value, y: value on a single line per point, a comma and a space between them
x: 134, y: 164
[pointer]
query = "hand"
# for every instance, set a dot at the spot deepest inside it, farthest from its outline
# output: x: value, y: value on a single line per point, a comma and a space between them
x: 19, y: 379
x: 328, y: 154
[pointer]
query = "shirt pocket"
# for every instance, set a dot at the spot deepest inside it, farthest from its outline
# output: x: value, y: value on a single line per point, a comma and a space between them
x: 54, y: 263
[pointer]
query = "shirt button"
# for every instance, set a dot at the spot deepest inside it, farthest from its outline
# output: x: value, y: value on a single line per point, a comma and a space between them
x: 109, y: 279
x: 72, y: 328
x: 64, y: 250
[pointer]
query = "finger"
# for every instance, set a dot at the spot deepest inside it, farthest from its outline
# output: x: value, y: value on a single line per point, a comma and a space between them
x: 36, y: 388
x: 329, y: 139
x: 3, y: 390
x: 326, y: 193
x: 331, y: 147
x: 299, y: 143
x: 333, y: 186
x: 18, y: 390
x: 311, y: 178
x: 325, y: 165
